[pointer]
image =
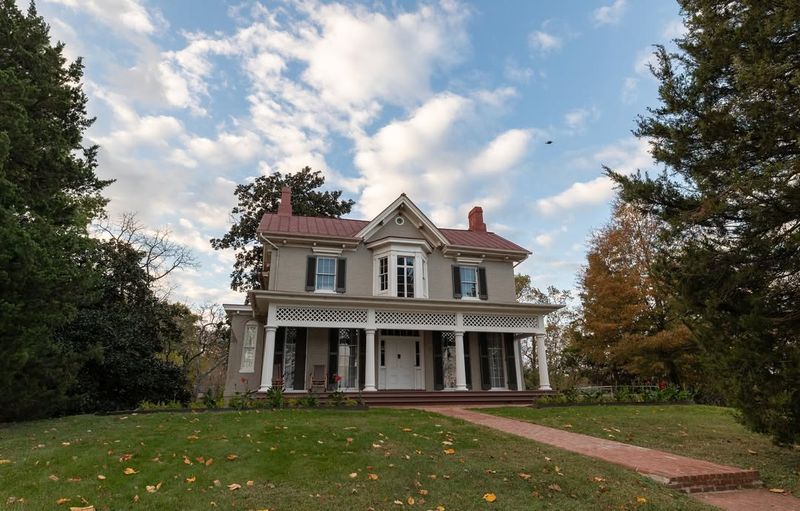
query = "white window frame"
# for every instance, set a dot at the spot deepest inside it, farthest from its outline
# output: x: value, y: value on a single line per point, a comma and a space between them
x: 474, y: 270
x: 408, y: 262
x: 391, y: 252
x: 317, y: 273
x: 249, y: 343
x: 382, y: 275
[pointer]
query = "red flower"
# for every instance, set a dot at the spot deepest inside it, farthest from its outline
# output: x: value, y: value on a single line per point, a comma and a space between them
x: 337, y: 378
x: 662, y: 385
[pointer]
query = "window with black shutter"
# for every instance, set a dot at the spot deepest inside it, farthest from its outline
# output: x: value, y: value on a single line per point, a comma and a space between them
x: 456, y: 282
x: 341, y: 274
x: 311, y: 273
x: 483, y: 291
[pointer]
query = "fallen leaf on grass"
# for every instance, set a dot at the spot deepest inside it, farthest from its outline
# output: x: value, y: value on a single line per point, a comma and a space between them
x: 74, y: 479
x: 398, y: 502
x: 101, y: 477
x: 349, y: 440
x: 410, y: 501
x: 407, y: 430
x: 125, y: 457
x: 777, y: 490
x: 209, y: 461
x: 439, y: 508
x: 353, y: 475
x: 191, y: 479
x: 751, y: 451
x: 567, y: 426
x: 641, y: 500
x: 53, y: 477
x: 524, y: 476
x: 554, y: 487
x: 231, y: 457
x: 250, y: 483
x: 598, y: 479
x: 62, y: 501
x: 449, y: 451
x: 489, y: 497
x: 5, y: 462
x: 153, y: 488
x: 234, y: 486
x: 372, y: 477
x: 192, y: 437
x: 135, y: 498
x: 87, y: 508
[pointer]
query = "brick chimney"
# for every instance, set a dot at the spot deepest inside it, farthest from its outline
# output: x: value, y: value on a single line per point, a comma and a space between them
x: 476, y: 219
x: 285, y: 207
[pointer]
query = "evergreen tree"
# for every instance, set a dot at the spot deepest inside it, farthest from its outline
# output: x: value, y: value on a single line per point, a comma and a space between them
x: 263, y: 196
x: 727, y: 131
x: 48, y: 194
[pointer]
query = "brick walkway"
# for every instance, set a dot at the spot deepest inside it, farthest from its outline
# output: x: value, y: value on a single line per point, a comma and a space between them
x: 679, y: 472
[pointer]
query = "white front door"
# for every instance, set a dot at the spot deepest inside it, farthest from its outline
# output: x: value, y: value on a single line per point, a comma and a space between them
x: 400, y: 363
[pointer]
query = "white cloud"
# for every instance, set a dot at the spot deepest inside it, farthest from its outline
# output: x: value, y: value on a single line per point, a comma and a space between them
x: 609, y: 14
x: 576, y: 119
x: 516, y: 72
x: 644, y: 59
x: 544, y: 240
x: 630, y: 90
x: 596, y: 191
x: 502, y: 153
x: 129, y: 15
x: 544, y: 42
x: 626, y: 157
x: 674, y: 29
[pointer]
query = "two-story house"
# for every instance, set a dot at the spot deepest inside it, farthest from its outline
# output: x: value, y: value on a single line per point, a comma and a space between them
x: 386, y: 304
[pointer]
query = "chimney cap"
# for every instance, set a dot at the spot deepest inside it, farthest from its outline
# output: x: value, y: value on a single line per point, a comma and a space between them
x: 285, y: 207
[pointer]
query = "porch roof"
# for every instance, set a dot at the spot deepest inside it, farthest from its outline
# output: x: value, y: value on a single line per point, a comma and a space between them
x: 262, y: 298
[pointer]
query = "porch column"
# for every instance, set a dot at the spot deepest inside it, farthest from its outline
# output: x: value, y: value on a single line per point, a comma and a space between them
x: 461, y: 371
x: 269, y: 358
x: 541, y: 358
x: 518, y: 360
x: 369, y: 370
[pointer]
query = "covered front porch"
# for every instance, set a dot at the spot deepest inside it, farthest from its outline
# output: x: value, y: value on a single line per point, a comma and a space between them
x: 332, y: 343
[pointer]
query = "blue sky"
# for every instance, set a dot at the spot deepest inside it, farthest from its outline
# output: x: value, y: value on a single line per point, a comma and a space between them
x: 450, y: 102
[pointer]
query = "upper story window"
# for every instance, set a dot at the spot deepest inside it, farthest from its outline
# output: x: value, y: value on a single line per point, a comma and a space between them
x: 469, y: 281
x: 405, y: 276
x: 383, y: 273
x: 400, y: 269
x: 326, y: 274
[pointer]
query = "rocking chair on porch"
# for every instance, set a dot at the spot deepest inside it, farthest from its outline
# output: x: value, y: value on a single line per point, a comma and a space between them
x: 277, y: 375
x: 318, y: 379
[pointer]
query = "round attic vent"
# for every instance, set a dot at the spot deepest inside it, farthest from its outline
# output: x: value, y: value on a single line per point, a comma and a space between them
x: 399, y: 220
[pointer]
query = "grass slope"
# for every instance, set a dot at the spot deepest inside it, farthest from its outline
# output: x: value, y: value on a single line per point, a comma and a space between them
x: 303, y: 460
x: 705, y: 432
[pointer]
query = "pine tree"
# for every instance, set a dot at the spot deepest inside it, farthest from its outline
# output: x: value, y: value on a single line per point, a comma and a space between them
x: 727, y: 132
x: 263, y: 196
x: 48, y: 194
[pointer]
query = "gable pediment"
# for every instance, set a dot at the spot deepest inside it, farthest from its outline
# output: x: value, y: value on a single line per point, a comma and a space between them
x: 412, y: 224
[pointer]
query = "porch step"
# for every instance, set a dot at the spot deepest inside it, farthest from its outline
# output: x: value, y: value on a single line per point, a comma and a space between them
x: 470, y: 397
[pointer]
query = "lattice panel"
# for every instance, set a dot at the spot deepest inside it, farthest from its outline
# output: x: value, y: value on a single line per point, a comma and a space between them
x: 414, y: 318
x: 495, y: 321
x: 315, y: 315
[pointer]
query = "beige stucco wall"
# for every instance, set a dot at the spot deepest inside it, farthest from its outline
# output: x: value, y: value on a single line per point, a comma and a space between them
x: 288, y: 273
x: 233, y: 381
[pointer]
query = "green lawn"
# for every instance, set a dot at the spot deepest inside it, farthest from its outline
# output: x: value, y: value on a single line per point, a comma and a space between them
x: 303, y: 460
x: 705, y: 432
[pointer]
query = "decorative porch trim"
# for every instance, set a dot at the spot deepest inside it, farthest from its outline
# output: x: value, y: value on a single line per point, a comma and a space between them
x: 299, y: 316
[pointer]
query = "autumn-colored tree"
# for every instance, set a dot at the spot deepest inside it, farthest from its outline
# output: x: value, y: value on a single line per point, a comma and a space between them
x: 626, y: 331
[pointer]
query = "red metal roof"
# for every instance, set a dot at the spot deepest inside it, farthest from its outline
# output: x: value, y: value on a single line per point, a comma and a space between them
x: 311, y: 225
x: 346, y: 228
x: 481, y: 239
